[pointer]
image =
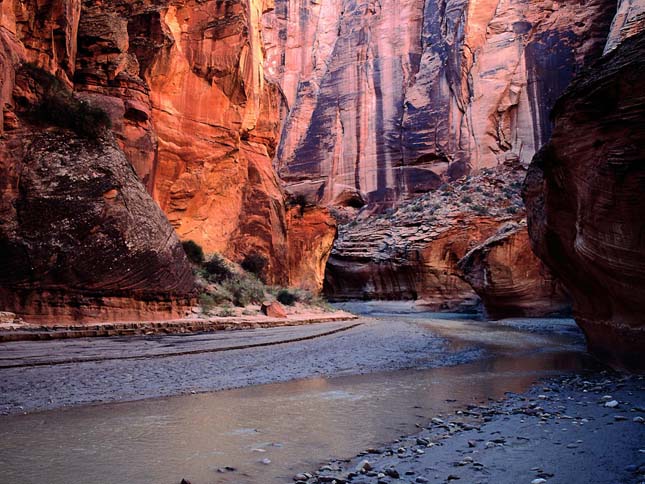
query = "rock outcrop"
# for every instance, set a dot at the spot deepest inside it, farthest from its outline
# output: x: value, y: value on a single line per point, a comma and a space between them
x: 311, y: 231
x: 80, y: 238
x: 184, y: 88
x: 385, y: 100
x: 584, y: 197
x: 413, y: 252
x: 510, y: 280
x: 629, y: 20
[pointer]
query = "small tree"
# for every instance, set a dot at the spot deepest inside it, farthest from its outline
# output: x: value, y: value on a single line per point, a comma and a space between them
x: 286, y: 297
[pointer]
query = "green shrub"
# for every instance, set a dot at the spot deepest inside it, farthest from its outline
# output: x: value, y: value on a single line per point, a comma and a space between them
x: 193, y: 251
x: 206, y: 302
x: 511, y: 210
x: 221, y: 295
x: 226, y: 313
x: 255, y: 264
x: 245, y: 290
x: 218, y: 269
x: 286, y: 297
x: 466, y: 199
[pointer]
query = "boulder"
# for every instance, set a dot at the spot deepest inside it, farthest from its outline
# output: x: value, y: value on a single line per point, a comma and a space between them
x: 273, y: 309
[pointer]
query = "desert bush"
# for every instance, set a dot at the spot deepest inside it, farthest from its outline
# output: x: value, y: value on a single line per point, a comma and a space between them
x: 221, y: 295
x: 226, y: 313
x: 206, y: 302
x: 511, y: 210
x: 466, y: 199
x: 479, y: 210
x: 194, y: 252
x: 218, y: 269
x: 245, y: 290
x: 286, y: 297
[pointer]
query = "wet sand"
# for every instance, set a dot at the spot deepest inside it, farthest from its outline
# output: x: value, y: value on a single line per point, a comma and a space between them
x: 372, y: 346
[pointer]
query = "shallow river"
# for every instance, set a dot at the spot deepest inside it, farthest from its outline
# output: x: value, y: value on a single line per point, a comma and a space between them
x: 296, y: 425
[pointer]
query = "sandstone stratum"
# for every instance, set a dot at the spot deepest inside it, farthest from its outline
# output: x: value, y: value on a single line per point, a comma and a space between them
x: 369, y: 150
x: 585, y: 204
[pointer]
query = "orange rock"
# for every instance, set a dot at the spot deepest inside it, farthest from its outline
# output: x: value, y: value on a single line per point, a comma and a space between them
x: 510, y: 279
x: 392, y: 98
x: 273, y: 310
x: 311, y: 234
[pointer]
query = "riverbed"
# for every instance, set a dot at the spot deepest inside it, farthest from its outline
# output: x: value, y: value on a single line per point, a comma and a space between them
x: 298, y: 404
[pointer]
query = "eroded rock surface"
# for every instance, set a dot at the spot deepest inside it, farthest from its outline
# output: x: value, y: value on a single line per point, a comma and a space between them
x: 184, y: 88
x: 510, y: 280
x: 584, y: 195
x: 386, y: 100
x: 80, y: 238
x: 413, y: 252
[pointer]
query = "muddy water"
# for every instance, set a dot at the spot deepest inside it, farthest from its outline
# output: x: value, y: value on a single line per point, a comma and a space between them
x: 296, y: 425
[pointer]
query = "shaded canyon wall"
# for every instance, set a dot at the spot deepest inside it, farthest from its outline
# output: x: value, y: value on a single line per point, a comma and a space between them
x: 584, y: 197
x: 384, y: 100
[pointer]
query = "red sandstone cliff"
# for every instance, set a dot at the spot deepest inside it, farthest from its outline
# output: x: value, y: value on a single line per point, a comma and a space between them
x: 584, y: 197
x: 390, y: 99
x: 183, y: 86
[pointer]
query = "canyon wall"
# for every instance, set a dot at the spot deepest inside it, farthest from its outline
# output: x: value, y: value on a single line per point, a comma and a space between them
x: 413, y: 252
x: 384, y: 100
x: 192, y: 121
x: 584, y: 197
x: 80, y: 238
x: 198, y: 120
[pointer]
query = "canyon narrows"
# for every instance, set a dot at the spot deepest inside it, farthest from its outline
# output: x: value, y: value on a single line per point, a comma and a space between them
x: 246, y: 239
x: 259, y: 127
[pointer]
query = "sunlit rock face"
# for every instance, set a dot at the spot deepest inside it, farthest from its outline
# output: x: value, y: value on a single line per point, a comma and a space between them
x: 389, y: 99
x: 183, y: 84
x: 80, y: 238
x: 585, y: 204
x: 510, y: 280
x: 311, y: 232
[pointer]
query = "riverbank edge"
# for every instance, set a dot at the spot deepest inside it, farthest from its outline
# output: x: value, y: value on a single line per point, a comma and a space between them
x: 29, y: 332
x: 515, y: 439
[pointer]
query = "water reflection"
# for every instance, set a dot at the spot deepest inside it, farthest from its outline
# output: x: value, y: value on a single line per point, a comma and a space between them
x: 296, y: 425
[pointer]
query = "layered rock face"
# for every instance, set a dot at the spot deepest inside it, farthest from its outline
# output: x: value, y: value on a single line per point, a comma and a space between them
x: 311, y: 231
x: 186, y: 87
x: 413, y: 252
x: 183, y: 85
x: 80, y: 238
x: 384, y: 100
x: 510, y: 280
x: 584, y: 195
